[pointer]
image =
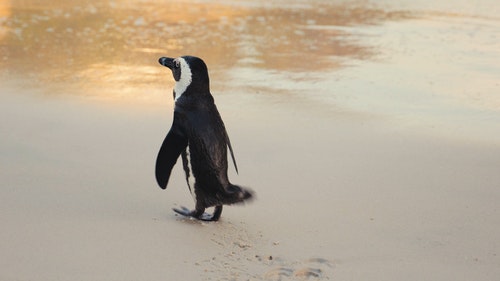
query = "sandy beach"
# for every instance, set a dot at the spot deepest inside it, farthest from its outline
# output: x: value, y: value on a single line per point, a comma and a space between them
x: 369, y: 132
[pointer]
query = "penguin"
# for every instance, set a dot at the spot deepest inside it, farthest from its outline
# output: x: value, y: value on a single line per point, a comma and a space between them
x: 199, y: 137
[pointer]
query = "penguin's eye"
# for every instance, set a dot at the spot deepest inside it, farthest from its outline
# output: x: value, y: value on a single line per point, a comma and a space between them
x: 177, y: 64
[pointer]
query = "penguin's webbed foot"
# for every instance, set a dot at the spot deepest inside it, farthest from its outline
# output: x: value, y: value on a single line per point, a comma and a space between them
x: 200, y: 214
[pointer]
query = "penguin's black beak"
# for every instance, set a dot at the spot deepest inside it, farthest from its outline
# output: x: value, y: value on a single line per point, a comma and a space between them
x: 168, y: 62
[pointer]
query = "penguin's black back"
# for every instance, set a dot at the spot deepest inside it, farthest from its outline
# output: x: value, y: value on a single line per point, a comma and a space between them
x: 208, y: 140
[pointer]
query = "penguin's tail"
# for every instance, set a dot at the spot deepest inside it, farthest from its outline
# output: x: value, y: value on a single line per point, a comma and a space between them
x: 236, y: 194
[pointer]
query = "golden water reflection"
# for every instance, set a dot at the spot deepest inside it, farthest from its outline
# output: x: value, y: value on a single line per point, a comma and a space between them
x: 111, y: 47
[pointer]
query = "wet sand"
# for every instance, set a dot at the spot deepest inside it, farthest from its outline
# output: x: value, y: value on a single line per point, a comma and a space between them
x: 397, y: 184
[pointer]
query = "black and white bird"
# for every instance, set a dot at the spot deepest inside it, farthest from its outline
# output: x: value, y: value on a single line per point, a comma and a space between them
x: 199, y: 136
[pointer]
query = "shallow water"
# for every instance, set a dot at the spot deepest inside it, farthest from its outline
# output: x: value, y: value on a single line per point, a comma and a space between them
x: 430, y: 65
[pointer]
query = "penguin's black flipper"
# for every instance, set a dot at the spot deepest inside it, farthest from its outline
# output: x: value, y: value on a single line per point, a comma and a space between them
x: 232, y: 154
x: 172, y: 147
x: 221, y: 127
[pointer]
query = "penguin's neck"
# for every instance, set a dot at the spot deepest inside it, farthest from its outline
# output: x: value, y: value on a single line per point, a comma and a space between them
x: 179, y: 89
x: 194, y: 100
x: 198, y: 90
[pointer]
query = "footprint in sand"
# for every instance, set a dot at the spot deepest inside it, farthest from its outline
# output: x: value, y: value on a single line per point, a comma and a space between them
x: 312, y: 269
x: 278, y: 273
x: 238, y: 258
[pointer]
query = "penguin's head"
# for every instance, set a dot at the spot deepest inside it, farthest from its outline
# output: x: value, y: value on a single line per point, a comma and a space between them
x: 190, y: 74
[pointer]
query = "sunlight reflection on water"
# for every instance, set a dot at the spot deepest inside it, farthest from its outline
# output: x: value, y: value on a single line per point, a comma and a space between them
x: 91, y: 42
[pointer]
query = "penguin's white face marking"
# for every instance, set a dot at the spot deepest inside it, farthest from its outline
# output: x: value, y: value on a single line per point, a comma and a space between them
x: 185, y: 79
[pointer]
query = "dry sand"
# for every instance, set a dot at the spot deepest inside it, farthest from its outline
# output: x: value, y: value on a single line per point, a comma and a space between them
x: 344, y: 192
x: 340, y: 197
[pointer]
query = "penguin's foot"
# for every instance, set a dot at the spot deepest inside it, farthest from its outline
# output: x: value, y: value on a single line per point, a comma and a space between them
x: 200, y: 214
